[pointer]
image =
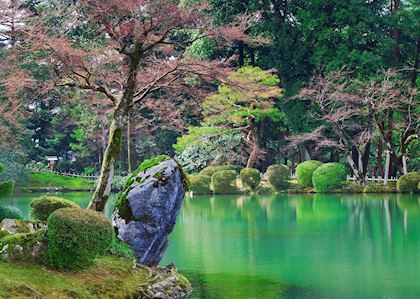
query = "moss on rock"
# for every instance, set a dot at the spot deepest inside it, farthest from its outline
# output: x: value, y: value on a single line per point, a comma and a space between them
x: 23, y: 247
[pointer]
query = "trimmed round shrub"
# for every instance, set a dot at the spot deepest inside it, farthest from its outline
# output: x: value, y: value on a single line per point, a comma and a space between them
x: 408, y: 183
x: 224, y: 182
x: 210, y: 170
x: 6, y: 188
x: 76, y: 237
x: 304, y: 172
x: 44, y: 206
x: 329, y: 176
x: 278, y: 176
x: 200, y: 184
x: 9, y: 212
x: 250, y: 178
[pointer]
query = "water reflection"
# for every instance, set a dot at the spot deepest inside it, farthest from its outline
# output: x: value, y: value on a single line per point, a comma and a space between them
x: 321, y: 246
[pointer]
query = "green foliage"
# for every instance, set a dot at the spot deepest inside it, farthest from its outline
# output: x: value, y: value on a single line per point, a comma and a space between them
x: 121, y: 249
x: 250, y: 177
x: 6, y: 187
x: 278, y: 176
x: 9, y: 212
x: 329, y: 176
x: 224, y: 182
x: 76, y: 237
x: 200, y: 184
x: 197, y: 136
x: 305, y: 170
x: 210, y: 170
x: 409, y: 182
x: 44, y: 206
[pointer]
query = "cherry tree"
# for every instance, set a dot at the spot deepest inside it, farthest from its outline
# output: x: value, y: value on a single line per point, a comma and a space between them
x: 129, y: 53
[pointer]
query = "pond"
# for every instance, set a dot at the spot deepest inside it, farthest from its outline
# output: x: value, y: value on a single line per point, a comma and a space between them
x: 295, y: 246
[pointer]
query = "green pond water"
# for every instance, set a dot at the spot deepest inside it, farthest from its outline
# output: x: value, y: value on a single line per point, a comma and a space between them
x: 294, y: 246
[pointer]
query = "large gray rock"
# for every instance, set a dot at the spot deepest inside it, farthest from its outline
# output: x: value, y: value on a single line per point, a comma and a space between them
x: 147, y: 208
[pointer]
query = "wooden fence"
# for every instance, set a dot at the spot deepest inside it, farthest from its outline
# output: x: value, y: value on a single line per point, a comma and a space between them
x: 70, y: 174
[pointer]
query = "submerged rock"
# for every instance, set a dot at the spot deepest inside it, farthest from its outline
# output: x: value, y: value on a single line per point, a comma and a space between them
x: 147, y: 208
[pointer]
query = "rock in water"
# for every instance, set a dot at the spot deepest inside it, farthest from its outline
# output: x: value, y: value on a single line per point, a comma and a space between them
x: 146, y: 210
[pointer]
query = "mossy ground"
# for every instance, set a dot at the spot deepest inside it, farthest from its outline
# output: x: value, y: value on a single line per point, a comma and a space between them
x: 110, y: 277
x: 51, y: 181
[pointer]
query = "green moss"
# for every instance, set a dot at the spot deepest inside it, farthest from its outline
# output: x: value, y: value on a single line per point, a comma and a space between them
x: 51, y: 181
x: 250, y: 178
x: 200, y: 184
x: 44, y: 206
x: 304, y: 172
x: 109, y: 277
x: 329, y: 176
x: 121, y: 249
x: 21, y: 247
x: 3, y: 233
x: 76, y: 237
x: 278, y: 176
x: 224, y: 182
x: 409, y: 182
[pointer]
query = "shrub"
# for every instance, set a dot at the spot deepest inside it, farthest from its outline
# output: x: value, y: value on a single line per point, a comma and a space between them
x: 44, y: 206
x: 121, y: 249
x: 8, y: 212
x: 408, y: 183
x: 6, y: 188
x: 224, y: 182
x: 304, y: 172
x: 329, y: 176
x: 250, y: 177
x: 76, y: 237
x: 210, y: 170
x: 278, y: 176
x: 200, y: 183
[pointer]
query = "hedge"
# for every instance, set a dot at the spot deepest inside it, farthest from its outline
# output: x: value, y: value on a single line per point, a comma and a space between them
x: 76, y: 237
x: 200, y: 184
x: 329, y: 176
x: 408, y: 183
x: 44, y: 206
x: 250, y: 178
x: 224, y: 182
x: 304, y: 172
x: 278, y: 176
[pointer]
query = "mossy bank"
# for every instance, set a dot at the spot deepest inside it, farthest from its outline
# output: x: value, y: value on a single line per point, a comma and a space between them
x: 109, y: 277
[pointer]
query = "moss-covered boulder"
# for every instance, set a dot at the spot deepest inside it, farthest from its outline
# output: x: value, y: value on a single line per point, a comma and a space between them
x: 76, y: 237
x: 278, y: 176
x: 44, y: 206
x: 9, y: 212
x: 305, y: 170
x: 212, y: 169
x: 15, y: 226
x: 329, y: 176
x: 250, y: 178
x: 409, y: 182
x: 25, y: 247
x: 200, y: 184
x: 146, y: 209
x: 224, y: 182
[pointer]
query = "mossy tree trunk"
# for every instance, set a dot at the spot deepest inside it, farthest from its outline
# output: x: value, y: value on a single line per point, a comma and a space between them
x: 119, y: 123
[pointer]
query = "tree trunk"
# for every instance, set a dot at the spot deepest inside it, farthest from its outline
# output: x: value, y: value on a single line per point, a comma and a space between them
x: 404, y: 164
x: 129, y: 161
x: 387, y: 166
x: 103, y: 189
x: 416, y: 63
x: 380, y: 165
x: 252, y: 159
x: 119, y: 122
x: 359, y: 175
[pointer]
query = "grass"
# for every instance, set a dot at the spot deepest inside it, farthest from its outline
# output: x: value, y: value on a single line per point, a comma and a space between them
x: 109, y: 277
x: 51, y: 181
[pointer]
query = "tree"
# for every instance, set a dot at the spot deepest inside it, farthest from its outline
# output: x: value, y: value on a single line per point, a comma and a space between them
x: 245, y: 107
x: 135, y: 57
